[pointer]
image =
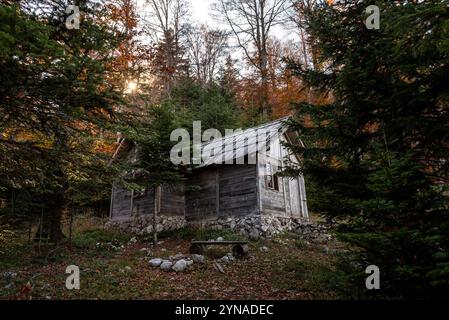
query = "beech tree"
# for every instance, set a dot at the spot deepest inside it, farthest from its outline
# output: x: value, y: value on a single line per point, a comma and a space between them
x: 251, y: 24
x: 166, y: 25
x: 207, y: 48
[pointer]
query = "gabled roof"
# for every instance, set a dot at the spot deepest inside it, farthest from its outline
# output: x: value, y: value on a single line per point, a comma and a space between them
x: 243, y: 143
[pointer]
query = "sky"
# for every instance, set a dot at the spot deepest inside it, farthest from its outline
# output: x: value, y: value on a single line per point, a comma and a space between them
x: 201, y: 13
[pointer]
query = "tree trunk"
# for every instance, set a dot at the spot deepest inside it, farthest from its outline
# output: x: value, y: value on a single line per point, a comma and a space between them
x: 52, y: 219
x: 265, y: 105
x: 54, y: 214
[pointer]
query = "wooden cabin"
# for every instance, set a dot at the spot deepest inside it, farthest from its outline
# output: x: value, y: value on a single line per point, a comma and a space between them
x: 237, y: 179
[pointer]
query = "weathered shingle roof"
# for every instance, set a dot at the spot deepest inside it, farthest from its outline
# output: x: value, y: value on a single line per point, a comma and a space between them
x: 242, y: 143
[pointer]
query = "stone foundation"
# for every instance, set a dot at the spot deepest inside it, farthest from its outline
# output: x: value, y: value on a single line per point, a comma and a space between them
x: 144, y: 224
x: 256, y: 226
x: 252, y: 226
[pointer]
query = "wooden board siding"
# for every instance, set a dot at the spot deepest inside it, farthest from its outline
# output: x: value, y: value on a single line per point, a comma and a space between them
x: 121, y: 203
x: 235, y: 194
x: 201, y: 202
x: 295, y: 201
x: 273, y: 201
x: 238, y: 190
x: 224, y: 191
x: 173, y: 202
x: 290, y: 199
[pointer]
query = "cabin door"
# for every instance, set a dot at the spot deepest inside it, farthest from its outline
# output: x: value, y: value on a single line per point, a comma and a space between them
x: 295, y: 202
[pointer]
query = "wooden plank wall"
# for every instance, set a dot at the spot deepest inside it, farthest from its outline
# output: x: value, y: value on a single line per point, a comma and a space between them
x: 172, y: 202
x: 273, y: 201
x: 228, y: 190
x: 290, y: 199
x: 121, y: 203
x: 238, y: 190
x: 201, y: 201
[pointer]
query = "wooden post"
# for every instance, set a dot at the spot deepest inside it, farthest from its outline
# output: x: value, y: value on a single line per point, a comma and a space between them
x: 217, y: 192
x: 157, y: 208
x: 111, y: 207
x: 259, y: 183
x: 132, y: 203
x: 284, y: 188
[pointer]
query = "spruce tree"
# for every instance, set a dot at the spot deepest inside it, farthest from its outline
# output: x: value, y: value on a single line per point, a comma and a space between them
x: 377, y: 154
x: 57, y: 93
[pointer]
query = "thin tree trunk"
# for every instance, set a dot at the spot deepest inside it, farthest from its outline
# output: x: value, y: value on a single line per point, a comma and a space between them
x: 55, y: 218
x: 52, y: 229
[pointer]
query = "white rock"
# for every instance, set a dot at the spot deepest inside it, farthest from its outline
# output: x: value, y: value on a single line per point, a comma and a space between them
x: 264, y: 249
x: 180, y: 265
x: 230, y: 256
x: 189, y: 263
x: 166, y: 265
x: 155, y: 262
x: 198, y: 258
x: 220, y: 239
x: 178, y: 256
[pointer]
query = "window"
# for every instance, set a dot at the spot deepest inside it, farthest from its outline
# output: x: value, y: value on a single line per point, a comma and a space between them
x: 271, y: 179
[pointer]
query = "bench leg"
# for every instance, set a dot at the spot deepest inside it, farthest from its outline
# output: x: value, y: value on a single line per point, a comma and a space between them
x: 240, y: 250
x: 196, y: 249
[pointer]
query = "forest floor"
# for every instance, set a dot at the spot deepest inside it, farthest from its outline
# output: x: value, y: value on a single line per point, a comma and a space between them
x: 115, y: 266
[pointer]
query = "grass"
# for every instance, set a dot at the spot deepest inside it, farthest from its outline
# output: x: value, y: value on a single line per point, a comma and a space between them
x: 201, y: 234
x: 112, y: 267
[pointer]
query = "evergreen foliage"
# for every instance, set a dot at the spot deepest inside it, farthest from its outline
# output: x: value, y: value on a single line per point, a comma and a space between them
x: 377, y: 154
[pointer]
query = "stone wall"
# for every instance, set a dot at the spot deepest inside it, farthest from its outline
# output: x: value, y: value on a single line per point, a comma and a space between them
x: 144, y: 224
x: 267, y: 226
x: 252, y: 226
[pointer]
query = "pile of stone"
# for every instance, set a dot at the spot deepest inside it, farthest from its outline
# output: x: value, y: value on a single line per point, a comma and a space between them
x: 177, y: 263
x: 313, y: 232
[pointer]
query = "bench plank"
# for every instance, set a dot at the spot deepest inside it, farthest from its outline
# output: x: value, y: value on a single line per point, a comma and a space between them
x: 218, y: 242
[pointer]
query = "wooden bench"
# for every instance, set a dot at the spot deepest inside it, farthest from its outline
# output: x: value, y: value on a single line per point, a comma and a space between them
x: 239, y: 248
